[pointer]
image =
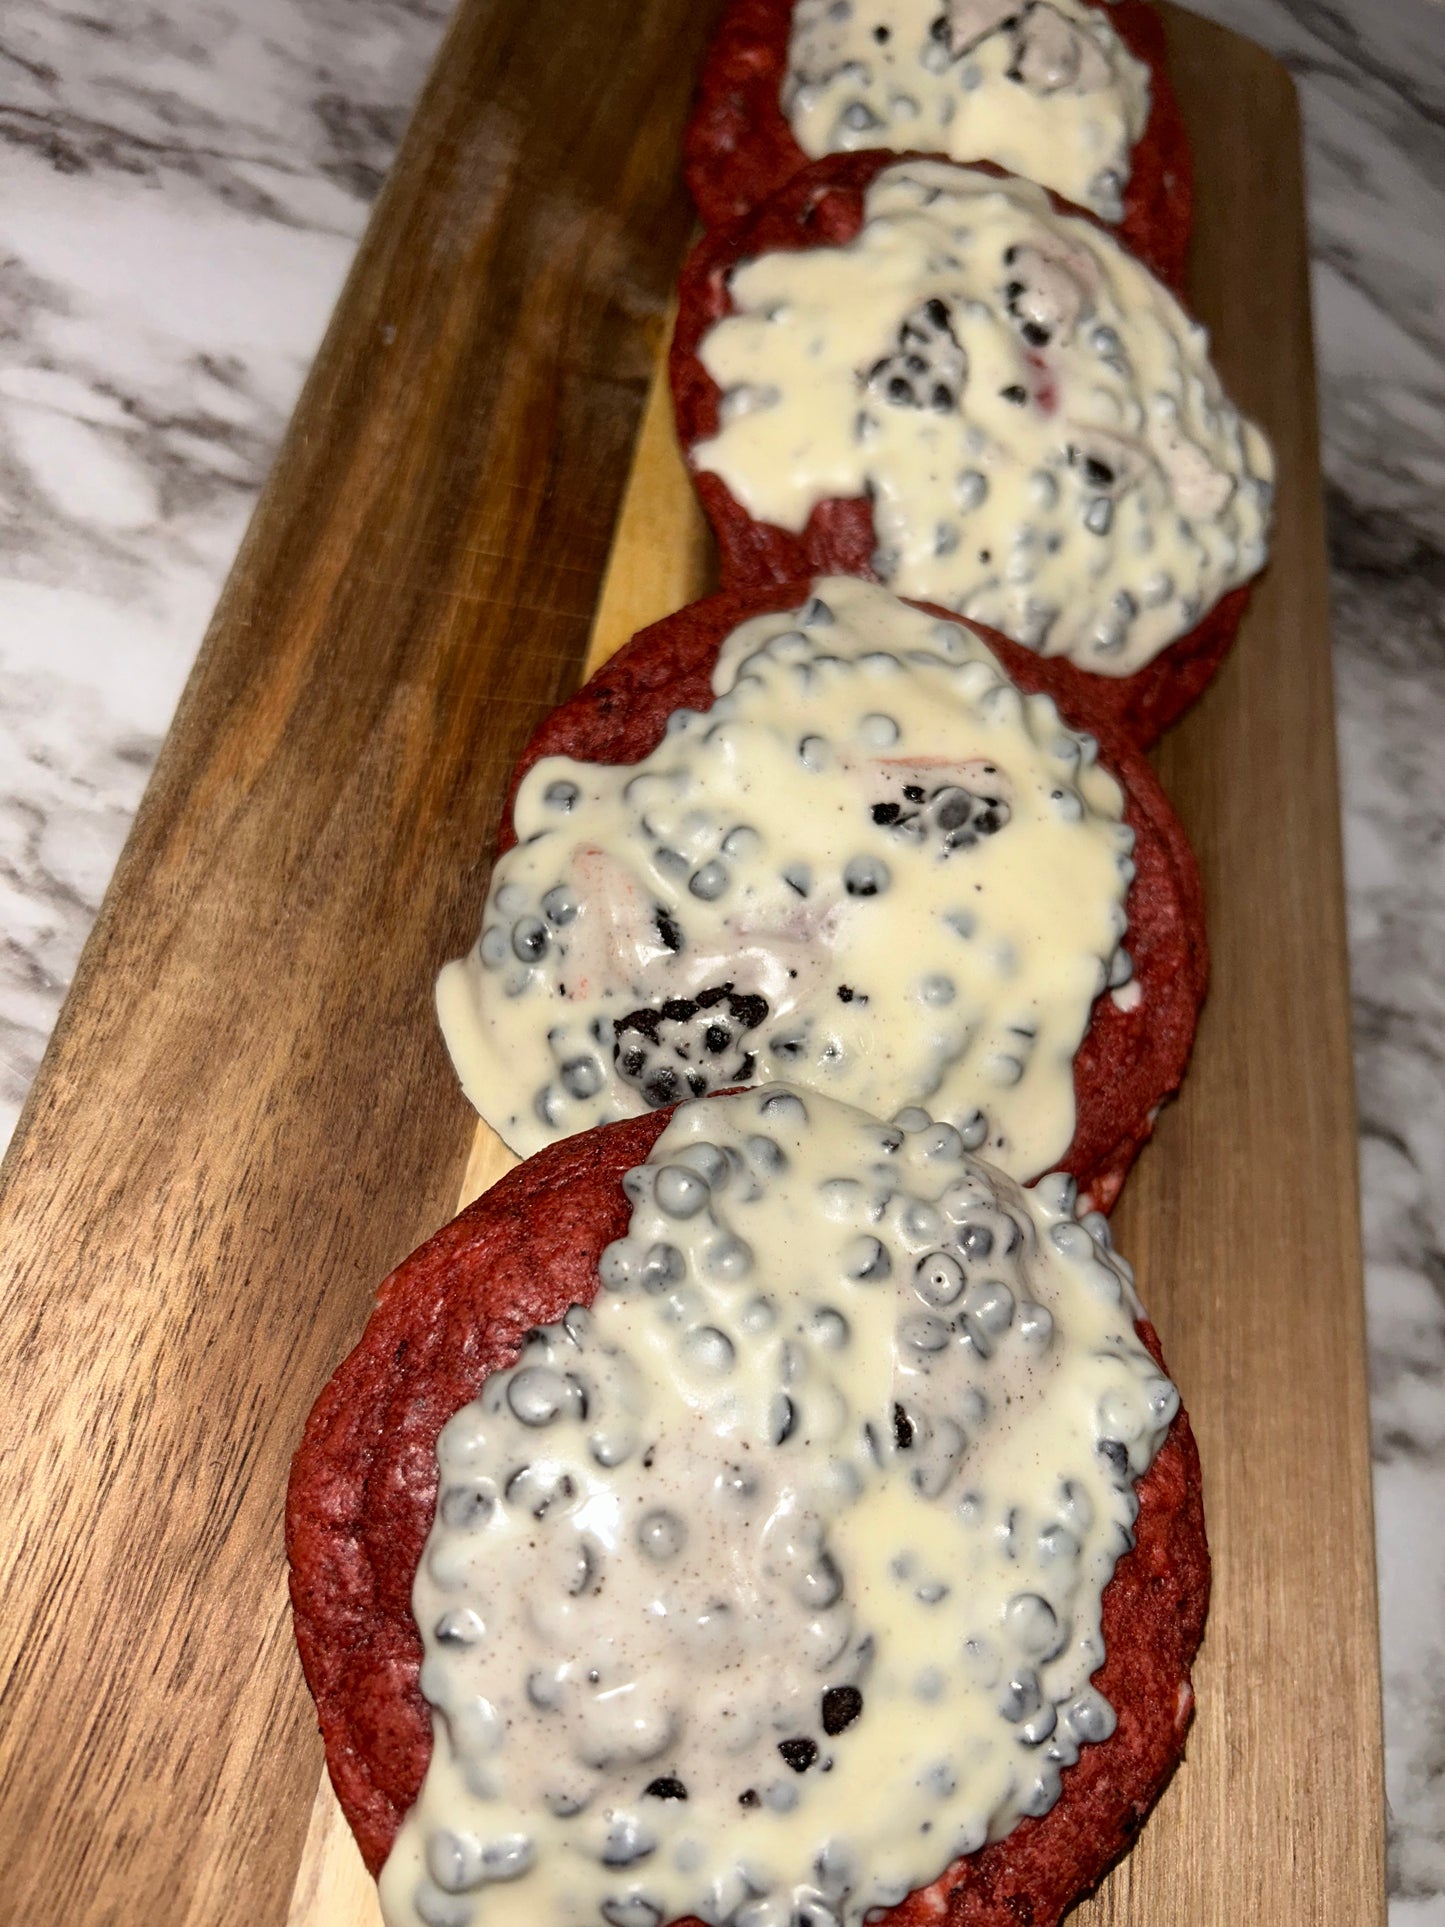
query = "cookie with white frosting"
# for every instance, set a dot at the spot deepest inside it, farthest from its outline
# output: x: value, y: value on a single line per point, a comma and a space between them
x: 655, y: 1556
x: 1064, y: 92
x: 818, y: 834
x: 938, y: 377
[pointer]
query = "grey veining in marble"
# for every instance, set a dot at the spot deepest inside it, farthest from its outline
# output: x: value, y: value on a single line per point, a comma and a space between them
x: 1372, y: 83
x: 181, y: 190
x: 182, y: 183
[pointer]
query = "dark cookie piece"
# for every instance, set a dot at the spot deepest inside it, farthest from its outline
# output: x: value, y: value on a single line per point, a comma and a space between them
x: 928, y: 368
x: 689, y: 1047
x: 841, y: 1706
x: 952, y: 817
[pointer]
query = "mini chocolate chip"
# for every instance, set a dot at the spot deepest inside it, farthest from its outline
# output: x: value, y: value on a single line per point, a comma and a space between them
x: 1116, y: 1454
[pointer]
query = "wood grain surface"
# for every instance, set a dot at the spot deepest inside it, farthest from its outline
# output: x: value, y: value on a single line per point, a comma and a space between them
x: 1243, y: 1217
x: 245, y: 1117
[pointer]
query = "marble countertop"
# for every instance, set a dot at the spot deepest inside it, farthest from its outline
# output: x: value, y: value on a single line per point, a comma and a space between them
x: 184, y: 183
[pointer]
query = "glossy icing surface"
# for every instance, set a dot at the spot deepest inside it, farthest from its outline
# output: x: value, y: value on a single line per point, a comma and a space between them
x: 771, y: 1584
x: 1033, y: 416
x: 1048, y: 91
x: 873, y: 866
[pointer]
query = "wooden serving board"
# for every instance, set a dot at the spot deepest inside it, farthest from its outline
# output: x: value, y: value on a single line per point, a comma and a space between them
x: 245, y: 1117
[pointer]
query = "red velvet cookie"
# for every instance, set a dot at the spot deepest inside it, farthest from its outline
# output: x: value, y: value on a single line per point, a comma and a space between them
x: 1131, y: 1059
x: 363, y: 1491
x: 822, y: 205
x: 740, y: 149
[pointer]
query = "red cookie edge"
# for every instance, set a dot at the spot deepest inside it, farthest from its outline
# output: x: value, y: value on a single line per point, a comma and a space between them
x: 363, y: 1491
x: 1129, y: 1062
x: 822, y: 205
x: 738, y: 148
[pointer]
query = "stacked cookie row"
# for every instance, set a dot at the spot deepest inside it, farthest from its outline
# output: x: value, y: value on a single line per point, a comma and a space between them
x: 768, y: 1504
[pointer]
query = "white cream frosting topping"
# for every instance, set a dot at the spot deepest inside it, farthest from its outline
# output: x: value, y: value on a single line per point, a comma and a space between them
x: 873, y: 867
x: 1047, y: 90
x: 1035, y: 418
x: 770, y: 1585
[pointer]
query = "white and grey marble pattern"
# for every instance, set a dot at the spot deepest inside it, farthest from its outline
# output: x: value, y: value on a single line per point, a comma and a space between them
x: 182, y: 184
x: 1372, y: 82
